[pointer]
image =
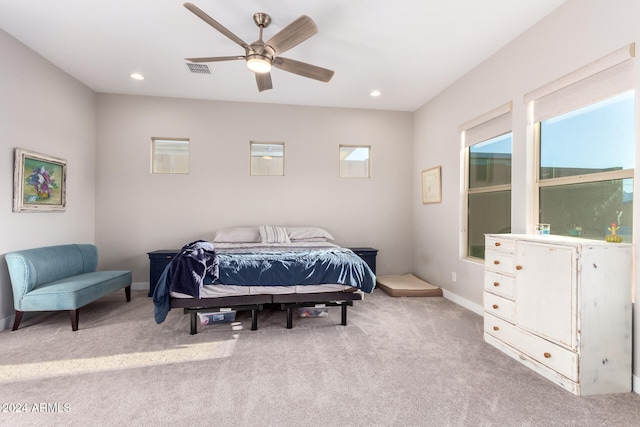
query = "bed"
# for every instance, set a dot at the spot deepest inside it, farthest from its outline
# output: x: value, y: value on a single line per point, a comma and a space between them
x: 249, y: 268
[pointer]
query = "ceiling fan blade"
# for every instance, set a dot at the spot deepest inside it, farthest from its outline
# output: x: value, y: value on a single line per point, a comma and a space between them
x: 215, y: 24
x: 214, y: 59
x: 303, y: 69
x: 293, y: 34
x: 264, y: 81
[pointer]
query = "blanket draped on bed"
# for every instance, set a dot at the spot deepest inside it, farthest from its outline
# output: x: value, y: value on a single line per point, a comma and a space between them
x: 185, y: 274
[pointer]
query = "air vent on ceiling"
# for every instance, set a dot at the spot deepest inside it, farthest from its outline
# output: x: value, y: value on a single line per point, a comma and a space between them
x: 199, y: 68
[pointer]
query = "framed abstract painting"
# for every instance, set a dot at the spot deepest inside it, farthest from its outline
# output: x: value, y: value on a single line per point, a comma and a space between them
x: 39, y: 182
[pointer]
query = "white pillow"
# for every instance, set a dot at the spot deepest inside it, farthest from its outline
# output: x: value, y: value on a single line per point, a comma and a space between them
x: 237, y: 235
x: 273, y: 234
x: 309, y: 234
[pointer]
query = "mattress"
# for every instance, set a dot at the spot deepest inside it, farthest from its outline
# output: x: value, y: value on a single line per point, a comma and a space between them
x: 219, y: 291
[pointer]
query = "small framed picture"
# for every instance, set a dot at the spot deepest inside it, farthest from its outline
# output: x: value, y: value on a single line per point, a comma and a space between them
x: 39, y: 182
x: 431, y: 186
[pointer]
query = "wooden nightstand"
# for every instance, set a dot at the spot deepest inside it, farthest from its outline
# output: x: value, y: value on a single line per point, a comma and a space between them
x: 158, y: 260
x: 368, y: 255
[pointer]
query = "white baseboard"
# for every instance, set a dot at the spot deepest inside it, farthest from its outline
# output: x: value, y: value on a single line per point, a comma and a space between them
x: 140, y: 286
x: 476, y: 308
x: 636, y: 384
x: 6, y: 323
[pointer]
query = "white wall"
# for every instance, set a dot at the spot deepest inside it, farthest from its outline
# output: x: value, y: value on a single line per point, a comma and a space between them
x: 138, y: 212
x: 43, y: 109
x: 578, y: 33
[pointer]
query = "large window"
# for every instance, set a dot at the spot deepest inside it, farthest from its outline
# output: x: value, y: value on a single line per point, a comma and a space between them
x: 585, y: 169
x: 488, y: 191
x: 486, y: 141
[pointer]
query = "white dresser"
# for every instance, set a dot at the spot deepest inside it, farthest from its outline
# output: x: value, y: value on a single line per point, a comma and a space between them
x: 562, y: 307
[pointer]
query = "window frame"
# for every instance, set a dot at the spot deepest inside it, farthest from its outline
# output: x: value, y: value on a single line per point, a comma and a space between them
x: 368, y: 162
x: 154, y: 139
x: 480, y: 190
x: 619, y: 174
x: 490, y: 125
x: 253, y: 172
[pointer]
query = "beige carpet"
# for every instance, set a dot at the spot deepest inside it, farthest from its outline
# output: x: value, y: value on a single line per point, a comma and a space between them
x: 407, y: 285
x: 398, y: 362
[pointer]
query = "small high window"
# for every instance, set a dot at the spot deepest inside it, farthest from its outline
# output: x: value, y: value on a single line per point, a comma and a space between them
x: 169, y: 155
x: 267, y: 158
x: 354, y: 161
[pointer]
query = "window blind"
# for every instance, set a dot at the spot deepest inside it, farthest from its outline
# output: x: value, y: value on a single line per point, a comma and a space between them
x: 604, y: 78
x: 489, y: 125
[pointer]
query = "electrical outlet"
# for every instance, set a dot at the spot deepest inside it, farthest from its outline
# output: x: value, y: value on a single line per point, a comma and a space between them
x: 453, y: 277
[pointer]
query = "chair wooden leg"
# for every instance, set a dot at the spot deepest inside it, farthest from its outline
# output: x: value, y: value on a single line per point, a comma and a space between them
x: 75, y: 316
x: 17, y: 320
x: 127, y: 292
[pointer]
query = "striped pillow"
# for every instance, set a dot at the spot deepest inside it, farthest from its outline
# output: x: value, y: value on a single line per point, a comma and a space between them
x: 274, y: 234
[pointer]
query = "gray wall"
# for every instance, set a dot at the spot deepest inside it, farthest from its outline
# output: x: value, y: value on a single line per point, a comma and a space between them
x: 43, y: 109
x: 138, y: 212
x: 578, y: 33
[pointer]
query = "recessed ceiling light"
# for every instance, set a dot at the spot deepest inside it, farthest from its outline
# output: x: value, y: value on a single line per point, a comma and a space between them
x: 136, y: 76
x: 375, y: 93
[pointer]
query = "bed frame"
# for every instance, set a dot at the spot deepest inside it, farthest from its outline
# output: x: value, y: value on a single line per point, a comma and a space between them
x: 256, y: 303
x: 251, y: 239
x: 192, y: 306
x: 325, y: 299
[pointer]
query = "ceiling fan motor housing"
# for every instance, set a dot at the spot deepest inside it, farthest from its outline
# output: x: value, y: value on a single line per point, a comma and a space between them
x: 261, y: 19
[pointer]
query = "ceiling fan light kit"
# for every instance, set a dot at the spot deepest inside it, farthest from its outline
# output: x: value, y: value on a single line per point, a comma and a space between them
x: 258, y: 63
x: 260, y: 56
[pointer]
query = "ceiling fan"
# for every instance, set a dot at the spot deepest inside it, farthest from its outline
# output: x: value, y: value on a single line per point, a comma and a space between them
x: 261, y: 56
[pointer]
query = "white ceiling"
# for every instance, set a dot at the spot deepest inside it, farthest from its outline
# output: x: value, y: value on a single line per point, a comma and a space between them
x: 410, y: 50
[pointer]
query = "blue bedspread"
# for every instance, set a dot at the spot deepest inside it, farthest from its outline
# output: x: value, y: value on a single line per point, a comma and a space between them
x: 295, y: 268
x: 308, y: 267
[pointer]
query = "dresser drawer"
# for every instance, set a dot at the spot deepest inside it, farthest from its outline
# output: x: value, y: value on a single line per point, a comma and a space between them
x: 561, y: 360
x: 499, y: 262
x: 496, y: 243
x: 500, y: 307
x: 499, y: 284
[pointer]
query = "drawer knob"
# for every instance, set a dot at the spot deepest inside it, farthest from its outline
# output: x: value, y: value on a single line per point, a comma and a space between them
x: 547, y: 355
x: 495, y: 306
x: 518, y: 267
x: 497, y: 243
x: 496, y: 262
x: 496, y: 284
x: 168, y: 256
x: 495, y: 328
